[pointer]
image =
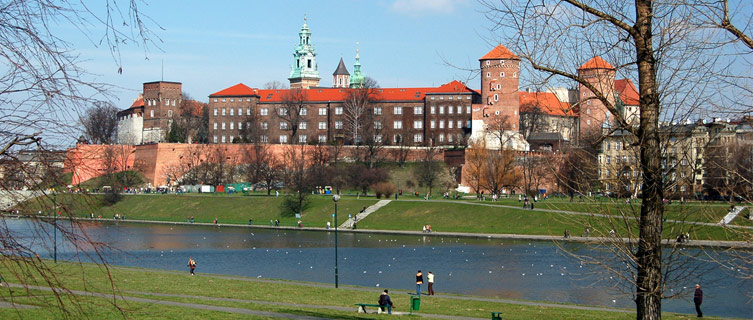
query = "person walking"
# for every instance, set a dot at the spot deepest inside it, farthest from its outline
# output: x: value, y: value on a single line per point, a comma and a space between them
x: 384, y: 301
x: 191, y: 265
x: 419, y: 282
x: 430, y: 278
x: 698, y: 299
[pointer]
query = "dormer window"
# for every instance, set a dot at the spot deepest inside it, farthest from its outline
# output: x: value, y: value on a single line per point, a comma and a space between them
x: 488, y: 62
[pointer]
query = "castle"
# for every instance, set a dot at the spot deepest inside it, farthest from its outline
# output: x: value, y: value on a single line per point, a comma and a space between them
x: 499, y: 114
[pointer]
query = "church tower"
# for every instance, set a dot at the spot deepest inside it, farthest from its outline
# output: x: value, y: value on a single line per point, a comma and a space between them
x: 304, y: 73
x: 341, y: 76
x: 592, y: 113
x: 358, y: 79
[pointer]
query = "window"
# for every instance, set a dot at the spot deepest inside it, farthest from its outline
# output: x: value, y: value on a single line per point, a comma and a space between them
x: 441, y: 109
x: 418, y: 110
x: 488, y: 74
x: 215, y: 111
x: 248, y: 99
x: 283, y: 138
x: 232, y: 111
x: 588, y: 110
x: 418, y: 137
x: 609, y: 159
x: 322, y: 125
x: 215, y: 100
x: 460, y: 110
x: 214, y: 139
x: 460, y: 123
x: 441, y: 124
x: 248, y: 111
x: 449, y: 124
x: 304, y: 111
x: 283, y: 111
x: 432, y: 124
x: 322, y: 138
x: 151, y: 113
x: 167, y: 102
x: 496, y: 97
x: 224, y: 111
x: 378, y: 110
x: 263, y: 111
x: 397, y: 124
x: 468, y: 110
x: 240, y: 111
x: 223, y: 139
x: 302, y: 125
x: 588, y: 121
x: 338, y: 125
x: 169, y: 113
x: 264, y: 139
x: 378, y: 138
x: 215, y: 126
x: 433, y: 110
x: 488, y: 62
x: 501, y: 74
x: 396, y: 138
x: 514, y: 74
x: 417, y: 124
x: 240, y: 125
x: 441, y: 137
x: 232, y: 100
x: 398, y: 110
x: 338, y: 110
x: 378, y: 125
x: 232, y: 126
x: 449, y: 138
x: 468, y: 124
x: 283, y: 125
x: 588, y: 102
x: 223, y: 100
x: 223, y: 126
x: 264, y: 125
x: 322, y: 111
x: 302, y: 138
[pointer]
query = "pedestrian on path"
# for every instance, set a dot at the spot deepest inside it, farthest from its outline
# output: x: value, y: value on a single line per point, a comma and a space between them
x: 430, y: 278
x: 385, y: 301
x: 191, y: 265
x: 698, y: 299
x: 419, y: 282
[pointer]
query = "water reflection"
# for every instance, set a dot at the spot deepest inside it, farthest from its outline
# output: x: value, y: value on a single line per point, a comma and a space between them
x: 527, y: 270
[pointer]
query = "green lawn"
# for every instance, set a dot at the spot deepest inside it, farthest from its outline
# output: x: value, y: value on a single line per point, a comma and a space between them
x: 152, y: 281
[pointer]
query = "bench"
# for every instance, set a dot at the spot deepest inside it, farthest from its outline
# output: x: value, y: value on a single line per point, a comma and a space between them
x: 362, y: 307
x: 496, y: 315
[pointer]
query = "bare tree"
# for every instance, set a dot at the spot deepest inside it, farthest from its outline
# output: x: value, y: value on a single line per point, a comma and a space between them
x: 292, y: 111
x: 273, y: 85
x: 427, y: 172
x: 355, y: 108
x: 101, y: 123
x: 653, y: 42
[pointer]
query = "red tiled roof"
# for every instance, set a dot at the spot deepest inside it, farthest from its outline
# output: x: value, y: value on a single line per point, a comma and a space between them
x: 547, y: 102
x: 628, y: 93
x: 596, y: 63
x: 236, y: 90
x: 500, y: 52
x: 137, y: 103
x: 384, y: 94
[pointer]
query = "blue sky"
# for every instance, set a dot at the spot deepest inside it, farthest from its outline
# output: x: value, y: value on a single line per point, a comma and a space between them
x: 209, y: 46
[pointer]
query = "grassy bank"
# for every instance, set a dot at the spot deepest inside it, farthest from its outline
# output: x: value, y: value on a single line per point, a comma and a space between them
x: 247, y: 294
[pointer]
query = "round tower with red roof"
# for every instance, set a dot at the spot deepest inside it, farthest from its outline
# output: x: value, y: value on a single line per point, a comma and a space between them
x: 500, y: 69
x: 592, y: 112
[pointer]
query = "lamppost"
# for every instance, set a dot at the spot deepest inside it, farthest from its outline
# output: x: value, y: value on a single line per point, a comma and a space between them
x: 336, y: 198
x: 55, y: 227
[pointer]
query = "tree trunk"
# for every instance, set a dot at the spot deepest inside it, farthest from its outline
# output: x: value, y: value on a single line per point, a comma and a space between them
x: 649, y: 255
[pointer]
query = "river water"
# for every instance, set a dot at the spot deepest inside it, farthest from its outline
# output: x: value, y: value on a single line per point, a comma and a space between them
x: 528, y: 270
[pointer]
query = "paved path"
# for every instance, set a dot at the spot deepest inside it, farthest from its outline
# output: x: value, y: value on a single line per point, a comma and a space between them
x: 9, y: 305
x: 731, y: 215
x: 349, y: 223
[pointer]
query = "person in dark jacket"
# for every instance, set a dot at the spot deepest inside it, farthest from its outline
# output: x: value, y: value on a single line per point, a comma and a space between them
x: 698, y: 299
x: 384, y: 301
x: 419, y: 282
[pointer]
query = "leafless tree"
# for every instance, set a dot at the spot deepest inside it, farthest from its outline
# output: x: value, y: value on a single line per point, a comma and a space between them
x: 101, y: 123
x: 273, y: 85
x: 356, y: 106
x: 428, y: 170
x: 292, y: 111
x: 673, y: 51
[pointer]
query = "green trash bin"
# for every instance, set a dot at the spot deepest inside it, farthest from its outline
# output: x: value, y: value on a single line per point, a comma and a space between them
x: 415, y: 303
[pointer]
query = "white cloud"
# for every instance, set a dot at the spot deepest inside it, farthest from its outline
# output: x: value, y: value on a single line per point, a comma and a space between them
x: 425, y: 6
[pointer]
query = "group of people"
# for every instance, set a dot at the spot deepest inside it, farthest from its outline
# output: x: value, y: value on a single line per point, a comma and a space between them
x: 420, y: 281
x: 275, y: 222
x: 683, y: 237
x: 189, y: 219
x: 427, y: 228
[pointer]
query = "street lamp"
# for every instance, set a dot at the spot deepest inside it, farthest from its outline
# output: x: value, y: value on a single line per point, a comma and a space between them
x: 55, y: 223
x: 336, y: 198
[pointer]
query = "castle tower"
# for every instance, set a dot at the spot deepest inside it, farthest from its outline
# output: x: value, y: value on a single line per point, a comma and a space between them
x: 592, y: 113
x: 304, y: 73
x: 358, y: 79
x: 499, y: 87
x: 161, y: 103
x: 341, y: 76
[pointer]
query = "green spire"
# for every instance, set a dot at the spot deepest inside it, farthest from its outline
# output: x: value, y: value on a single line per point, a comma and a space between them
x: 304, y: 56
x: 357, y: 80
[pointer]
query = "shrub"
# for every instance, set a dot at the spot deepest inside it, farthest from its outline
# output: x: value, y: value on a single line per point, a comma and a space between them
x: 385, y: 189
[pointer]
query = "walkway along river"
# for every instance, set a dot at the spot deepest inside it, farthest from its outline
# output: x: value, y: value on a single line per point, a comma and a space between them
x: 514, y: 269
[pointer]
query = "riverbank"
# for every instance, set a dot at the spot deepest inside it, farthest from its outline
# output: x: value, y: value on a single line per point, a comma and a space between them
x: 150, y: 294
